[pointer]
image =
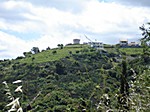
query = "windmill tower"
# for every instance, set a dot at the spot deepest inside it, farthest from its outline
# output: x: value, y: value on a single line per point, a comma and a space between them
x: 96, y: 45
x: 76, y: 41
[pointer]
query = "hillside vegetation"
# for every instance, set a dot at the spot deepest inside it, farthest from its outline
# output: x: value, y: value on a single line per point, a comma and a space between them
x: 79, y: 79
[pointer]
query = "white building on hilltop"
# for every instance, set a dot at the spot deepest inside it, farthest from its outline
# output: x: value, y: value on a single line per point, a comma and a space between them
x: 123, y: 42
x: 97, y: 45
x: 76, y: 41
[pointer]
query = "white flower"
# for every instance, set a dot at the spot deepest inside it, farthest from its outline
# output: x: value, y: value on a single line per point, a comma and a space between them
x: 8, y: 93
x: 17, y: 81
x: 20, y: 110
x: 4, y: 82
x: 148, y: 87
x: 12, y: 110
x: 7, y: 90
x: 19, y: 89
x: 83, y: 109
x: 14, y: 102
x: 106, y: 96
x: 10, y: 98
x: 13, y: 106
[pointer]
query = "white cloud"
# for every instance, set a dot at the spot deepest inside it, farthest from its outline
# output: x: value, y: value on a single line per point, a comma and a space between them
x: 105, y: 21
x: 112, y: 17
x: 11, y: 46
x: 142, y: 3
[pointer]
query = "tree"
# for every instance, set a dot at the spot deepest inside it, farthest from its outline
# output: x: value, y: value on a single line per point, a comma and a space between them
x: 54, y: 52
x: 27, y: 54
x: 124, y: 87
x: 145, y: 41
x: 35, y: 50
x: 60, y: 46
x: 145, y: 33
x: 60, y: 68
x: 123, y: 97
x: 48, y: 48
x: 70, y: 52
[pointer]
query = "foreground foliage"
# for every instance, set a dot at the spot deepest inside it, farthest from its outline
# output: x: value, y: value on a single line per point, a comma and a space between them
x: 79, y: 79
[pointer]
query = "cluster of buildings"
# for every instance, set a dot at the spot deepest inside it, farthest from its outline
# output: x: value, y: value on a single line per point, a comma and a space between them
x: 125, y: 43
x: 97, y: 45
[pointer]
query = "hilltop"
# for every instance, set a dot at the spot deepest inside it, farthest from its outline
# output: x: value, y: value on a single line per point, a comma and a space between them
x: 76, y: 78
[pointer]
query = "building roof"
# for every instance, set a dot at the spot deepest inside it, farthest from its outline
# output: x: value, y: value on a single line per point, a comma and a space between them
x: 123, y: 40
x: 76, y: 39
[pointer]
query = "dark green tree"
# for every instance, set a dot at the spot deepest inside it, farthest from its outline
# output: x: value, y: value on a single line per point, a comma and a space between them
x: 35, y: 50
x: 48, y: 48
x: 60, y: 68
x: 145, y: 32
x: 60, y: 46
x: 124, y: 87
x: 27, y: 54
x: 54, y: 52
x: 123, y: 98
x: 145, y: 42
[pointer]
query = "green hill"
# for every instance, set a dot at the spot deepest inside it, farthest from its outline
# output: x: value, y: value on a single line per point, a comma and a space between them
x: 50, y: 55
x: 76, y: 78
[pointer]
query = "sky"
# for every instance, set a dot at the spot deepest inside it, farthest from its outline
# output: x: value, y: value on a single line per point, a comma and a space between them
x: 46, y: 23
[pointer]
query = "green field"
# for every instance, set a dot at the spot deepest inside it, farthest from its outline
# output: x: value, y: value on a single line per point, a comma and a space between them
x: 48, y: 55
x: 127, y: 51
x: 130, y: 51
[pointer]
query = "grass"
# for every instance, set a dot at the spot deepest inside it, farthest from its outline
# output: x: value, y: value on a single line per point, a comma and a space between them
x: 130, y: 51
x: 47, y: 56
x: 110, y: 50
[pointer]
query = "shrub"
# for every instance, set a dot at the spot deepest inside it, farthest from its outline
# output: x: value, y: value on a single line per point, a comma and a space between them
x: 20, y: 57
x: 77, y: 51
x: 54, y: 52
x: 107, y: 66
x: 60, y: 108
